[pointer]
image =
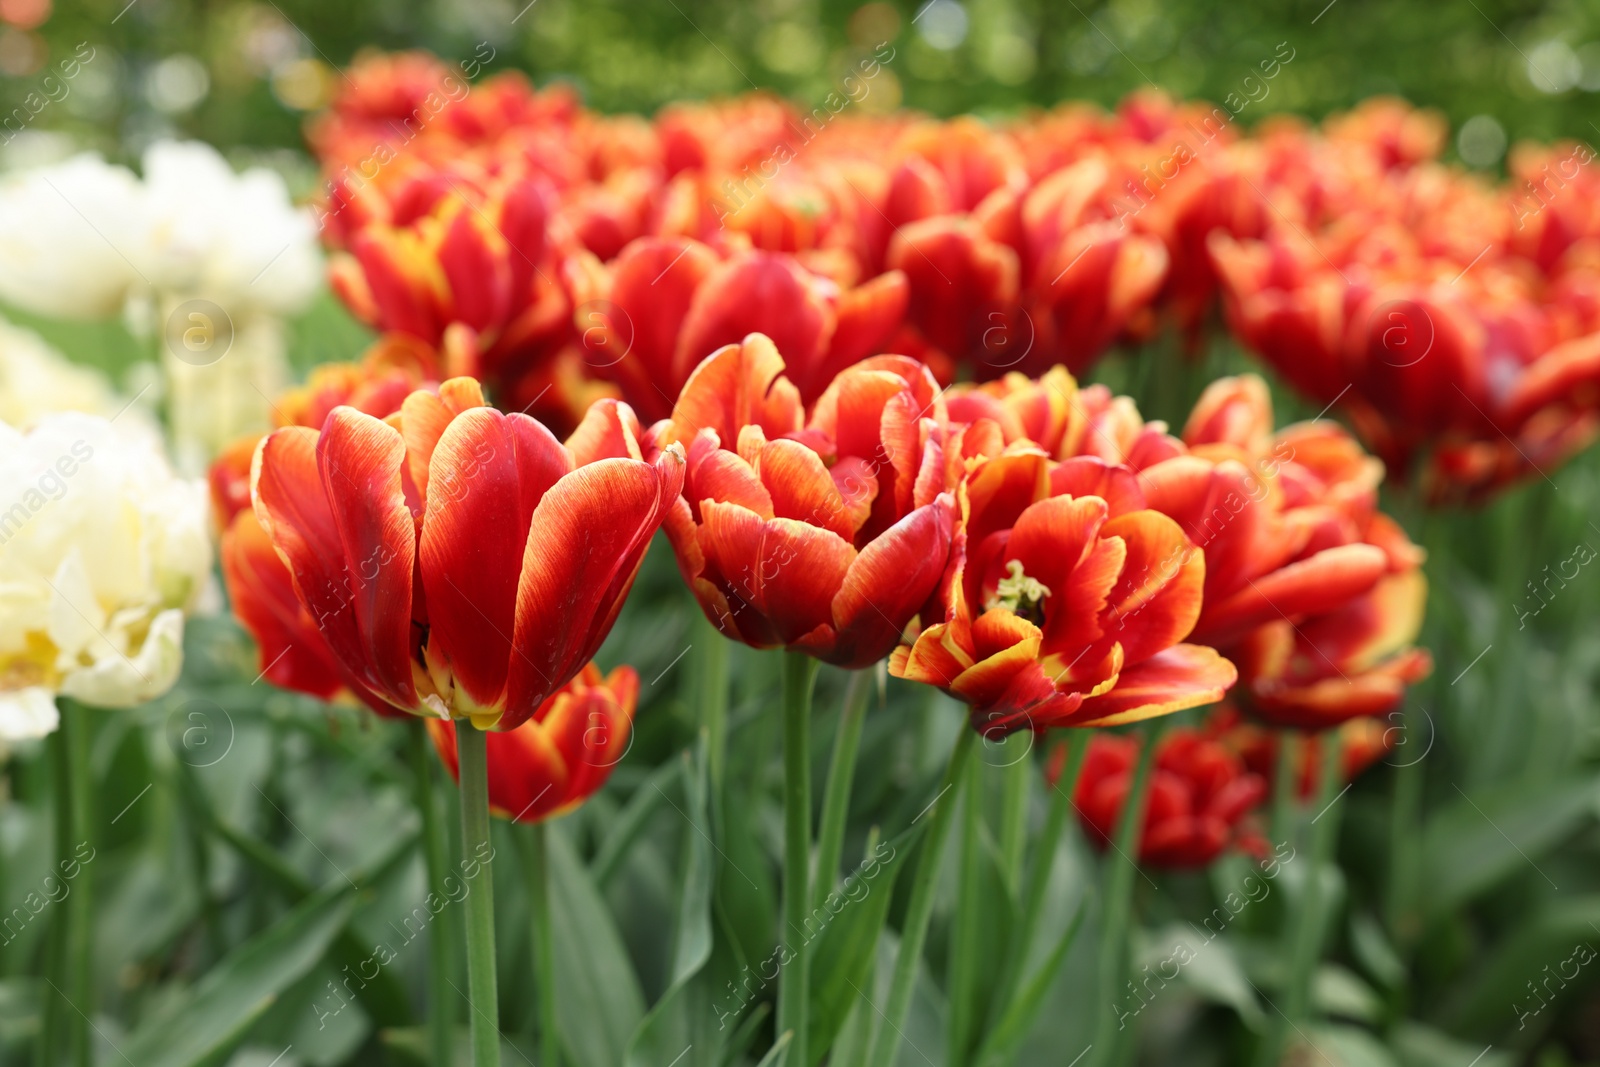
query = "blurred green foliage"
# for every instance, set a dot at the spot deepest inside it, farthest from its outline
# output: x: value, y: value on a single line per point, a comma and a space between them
x: 224, y: 71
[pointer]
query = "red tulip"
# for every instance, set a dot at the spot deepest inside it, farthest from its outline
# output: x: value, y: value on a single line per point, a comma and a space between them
x: 824, y: 535
x: 559, y: 757
x: 292, y: 651
x: 667, y: 304
x: 1313, y: 593
x: 473, y: 272
x: 1065, y: 603
x: 1362, y: 742
x: 1199, y: 802
x: 457, y: 561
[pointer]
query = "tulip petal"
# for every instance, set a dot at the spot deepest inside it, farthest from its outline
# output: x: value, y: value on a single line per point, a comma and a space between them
x: 359, y: 459
x: 1183, y: 676
x: 1158, y: 599
x: 737, y: 386
x: 294, y: 654
x: 488, y: 473
x: 1307, y: 586
x: 584, y: 545
x: 890, y: 581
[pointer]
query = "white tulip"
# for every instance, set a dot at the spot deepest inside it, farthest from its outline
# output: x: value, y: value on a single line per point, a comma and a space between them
x: 36, y: 380
x: 69, y: 237
x: 103, y: 550
x: 235, y: 239
x: 81, y: 239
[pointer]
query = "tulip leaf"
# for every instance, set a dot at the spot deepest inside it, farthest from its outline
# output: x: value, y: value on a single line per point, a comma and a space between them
x: 999, y: 1047
x: 202, y: 1026
x: 1525, y: 979
x: 632, y: 821
x: 1481, y: 839
x: 670, y: 1029
x: 844, y: 942
x: 1346, y: 1046
x: 598, y: 1001
x: 1423, y: 1046
x: 778, y: 1054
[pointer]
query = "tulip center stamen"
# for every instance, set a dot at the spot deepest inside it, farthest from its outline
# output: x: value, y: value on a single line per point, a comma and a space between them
x: 1020, y: 594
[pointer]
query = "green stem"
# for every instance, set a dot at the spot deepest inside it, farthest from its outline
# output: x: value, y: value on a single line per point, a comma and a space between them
x: 965, y: 934
x: 841, y: 775
x: 799, y: 678
x: 1305, y: 924
x: 886, y: 1042
x: 1044, y: 857
x: 476, y: 851
x: 1405, y: 833
x: 73, y: 830
x: 1285, y: 786
x: 536, y: 874
x: 1324, y: 834
x: 711, y: 684
x: 441, y: 1020
x: 1117, y: 908
x: 1015, y: 778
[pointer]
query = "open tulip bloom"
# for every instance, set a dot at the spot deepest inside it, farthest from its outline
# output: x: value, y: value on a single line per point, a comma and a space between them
x: 459, y: 562
x: 462, y: 564
x: 1066, y: 603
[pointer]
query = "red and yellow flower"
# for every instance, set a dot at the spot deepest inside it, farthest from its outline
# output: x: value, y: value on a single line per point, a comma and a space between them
x: 562, y: 754
x: 1066, y: 602
x: 1362, y: 742
x: 459, y: 562
x: 292, y: 653
x: 649, y: 319
x: 1199, y: 803
x: 1314, y: 594
x: 824, y: 535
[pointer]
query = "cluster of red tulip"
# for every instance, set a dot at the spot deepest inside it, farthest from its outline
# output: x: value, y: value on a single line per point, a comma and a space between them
x: 561, y: 255
x: 1033, y: 548
x: 832, y: 357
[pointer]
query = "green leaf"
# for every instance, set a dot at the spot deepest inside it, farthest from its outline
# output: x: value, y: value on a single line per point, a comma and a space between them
x: 1372, y: 949
x: 1209, y: 966
x: 1480, y: 840
x: 668, y: 1030
x: 846, y: 943
x: 1422, y: 1046
x: 383, y: 996
x: 217, y: 1012
x: 1341, y: 1046
x: 632, y: 821
x: 1001, y: 1044
x: 1554, y: 945
x: 598, y: 1001
x: 1337, y: 991
x: 778, y: 1054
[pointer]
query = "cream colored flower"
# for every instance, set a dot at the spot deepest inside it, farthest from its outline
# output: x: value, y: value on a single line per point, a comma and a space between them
x: 69, y: 237
x: 102, y: 552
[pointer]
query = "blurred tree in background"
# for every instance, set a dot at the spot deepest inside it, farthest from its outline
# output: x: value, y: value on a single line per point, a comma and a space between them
x: 244, y: 74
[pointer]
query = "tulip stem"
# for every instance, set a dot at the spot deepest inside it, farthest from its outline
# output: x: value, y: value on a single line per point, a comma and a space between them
x: 1015, y: 778
x: 476, y: 853
x: 799, y: 678
x: 711, y: 680
x: 1117, y: 903
x: 1044, y: 857
x: 841, y: 775
x: 1285, y: 786
x: 441, y: 1020
x: 1305, y: 923
x: 536, y: 860
x: 966, y: 931
x: 914, y: 932
x: 73, y: 829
